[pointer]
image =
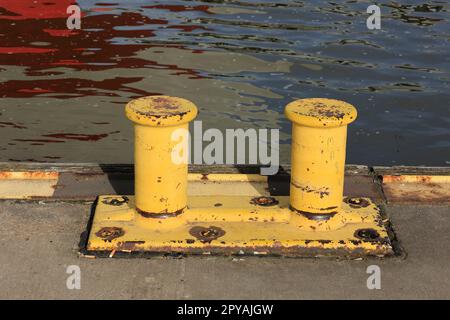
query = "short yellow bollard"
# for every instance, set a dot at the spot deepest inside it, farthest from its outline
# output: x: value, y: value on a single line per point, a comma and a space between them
x: 160, y: 183
x: 319, y: 135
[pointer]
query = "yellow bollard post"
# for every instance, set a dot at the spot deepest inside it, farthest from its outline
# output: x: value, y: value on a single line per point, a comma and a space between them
x: 160, y: 182
x: 319, y: 134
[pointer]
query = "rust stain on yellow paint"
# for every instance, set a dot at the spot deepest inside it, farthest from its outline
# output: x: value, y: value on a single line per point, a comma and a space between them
x: 27, y: 184
x: 417, y: 188
x: 28, y: 175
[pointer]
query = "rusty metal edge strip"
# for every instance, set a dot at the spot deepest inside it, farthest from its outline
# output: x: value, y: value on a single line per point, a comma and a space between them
x: 81, y: 169
x: 284, y: 168
x: 412, y: 170
x: 100, y: 168
x: 400, y: 184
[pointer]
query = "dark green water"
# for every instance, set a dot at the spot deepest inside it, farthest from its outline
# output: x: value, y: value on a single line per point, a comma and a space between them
x: 63, y: 92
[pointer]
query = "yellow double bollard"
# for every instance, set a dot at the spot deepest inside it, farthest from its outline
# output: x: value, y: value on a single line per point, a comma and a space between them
x: 315, y: 219
x: 318, y: 154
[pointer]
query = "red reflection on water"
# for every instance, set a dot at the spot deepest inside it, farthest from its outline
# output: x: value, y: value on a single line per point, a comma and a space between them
x: 24, y: 160
x: 61, y: 32
x: 62, y: 137
x: 11, y: 124
x: 77, y: 136
x: 12, y: 50
x: 41, y: 141
x: 39, y: 40
x: 35, y: 9
x: 69, y: 86
x: 35, y: 90
x: 67, y: 62
x: 101, y: 9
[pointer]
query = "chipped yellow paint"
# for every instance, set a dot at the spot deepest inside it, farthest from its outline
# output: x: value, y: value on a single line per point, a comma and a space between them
x: 424, y: 179
x: 28, y: 175
x: 319, y: 134
x: 160, y: 111
x: 417, y: 188
x: 160, y: 182
x: 234, y: 225
x: 320, y: 112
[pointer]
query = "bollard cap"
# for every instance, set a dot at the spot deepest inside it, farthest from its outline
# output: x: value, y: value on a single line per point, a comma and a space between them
x: 160, y: 111
x: 320, y: 112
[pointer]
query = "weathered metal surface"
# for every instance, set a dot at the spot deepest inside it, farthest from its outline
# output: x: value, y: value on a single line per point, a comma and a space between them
x: 236, y: 225
x: 410, y: 170
x: 415, y: 184
x: 320, y: 112
x: 161, y: 132
x: 416, y: 188
x: 160, y: 111
x: 319, y: 138
x: 26, y: 184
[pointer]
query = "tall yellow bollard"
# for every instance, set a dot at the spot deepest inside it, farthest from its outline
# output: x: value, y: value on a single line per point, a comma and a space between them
x: 160, y: 182
x: 319, y: 134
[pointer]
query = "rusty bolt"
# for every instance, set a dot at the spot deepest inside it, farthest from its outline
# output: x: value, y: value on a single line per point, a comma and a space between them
x: 367, y: 234
x: 264, y: 201
x: 115, y: 201
x: 356, y: 202
x: 206, y: 235
x: 110, y: 233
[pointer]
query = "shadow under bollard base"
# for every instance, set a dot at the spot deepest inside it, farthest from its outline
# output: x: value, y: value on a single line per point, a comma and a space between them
x: 238, y: 225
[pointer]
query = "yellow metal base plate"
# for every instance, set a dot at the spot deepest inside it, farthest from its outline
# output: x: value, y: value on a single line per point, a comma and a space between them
x: 238, y: 225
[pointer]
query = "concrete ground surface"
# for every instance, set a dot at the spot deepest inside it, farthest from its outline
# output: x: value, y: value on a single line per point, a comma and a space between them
x: 38, y: 240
